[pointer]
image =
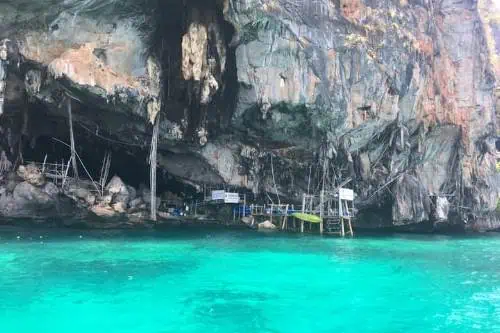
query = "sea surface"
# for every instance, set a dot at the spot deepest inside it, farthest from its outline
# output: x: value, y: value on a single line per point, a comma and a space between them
x: 186, y: 280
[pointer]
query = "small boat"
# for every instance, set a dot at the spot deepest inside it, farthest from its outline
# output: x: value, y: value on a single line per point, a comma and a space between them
x: 311, y: 218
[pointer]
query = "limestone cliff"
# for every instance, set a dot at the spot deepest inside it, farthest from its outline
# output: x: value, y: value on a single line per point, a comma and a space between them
x: 398, y: 95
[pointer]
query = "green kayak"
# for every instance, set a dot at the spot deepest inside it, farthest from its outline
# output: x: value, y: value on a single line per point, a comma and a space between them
x: 308, y: 217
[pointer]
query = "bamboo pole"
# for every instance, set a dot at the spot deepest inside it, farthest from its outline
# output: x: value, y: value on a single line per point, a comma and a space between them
x: 106, y: 164
x: 44, y: 162
x: 271, y: 212
x: 153, y: 165
x: 244, y: 204
x: 65, y: 175
x: 83, y: 165
x: 321, y: 213
x: 72, y: 138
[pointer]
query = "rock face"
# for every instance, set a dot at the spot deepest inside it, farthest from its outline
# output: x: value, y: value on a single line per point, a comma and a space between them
x: 274, y: 95
x: 29, y: 201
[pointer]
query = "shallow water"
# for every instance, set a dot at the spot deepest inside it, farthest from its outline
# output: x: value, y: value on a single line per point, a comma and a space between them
x: 237, y: 281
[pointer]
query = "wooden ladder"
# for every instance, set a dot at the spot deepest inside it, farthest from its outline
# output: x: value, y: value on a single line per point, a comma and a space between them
x: 332, y: 226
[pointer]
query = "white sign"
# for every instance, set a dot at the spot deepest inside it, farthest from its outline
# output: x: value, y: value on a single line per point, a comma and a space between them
x: 231, y: 198
x: 218, y: 195
x: 346, y: 194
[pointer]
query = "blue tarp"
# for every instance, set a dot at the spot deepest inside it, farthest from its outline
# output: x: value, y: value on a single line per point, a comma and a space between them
x: 242, y: 210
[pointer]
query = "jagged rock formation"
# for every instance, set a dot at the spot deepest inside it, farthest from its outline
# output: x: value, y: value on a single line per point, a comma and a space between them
x: 397, y: 94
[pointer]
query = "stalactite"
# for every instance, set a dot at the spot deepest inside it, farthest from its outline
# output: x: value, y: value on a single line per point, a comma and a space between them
x: 5, y: 164
x: 3, y: 72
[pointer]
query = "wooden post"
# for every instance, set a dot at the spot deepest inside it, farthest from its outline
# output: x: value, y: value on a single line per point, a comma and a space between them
x: 65, y: 175
x: 342, y: 226
x: 271, y: 213
x: 153, y: 165
x: 285, y: 219
x: 43, y: 166
x: 72, y: 139
x: 244, y: 205
x: 321, y: 214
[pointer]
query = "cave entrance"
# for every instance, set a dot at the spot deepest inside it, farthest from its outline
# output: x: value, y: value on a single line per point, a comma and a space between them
x: 95, y: 129
x: 129, y: 161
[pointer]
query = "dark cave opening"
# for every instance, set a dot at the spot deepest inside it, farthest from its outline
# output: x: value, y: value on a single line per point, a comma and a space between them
x: 128, y: 161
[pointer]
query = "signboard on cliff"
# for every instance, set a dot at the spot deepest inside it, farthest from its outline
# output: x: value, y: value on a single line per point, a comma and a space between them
x: 218, y: 195
x: 231, y: 197
x: 346, y: 194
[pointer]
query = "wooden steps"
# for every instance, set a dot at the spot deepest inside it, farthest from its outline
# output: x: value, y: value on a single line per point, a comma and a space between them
x: 338, y: 226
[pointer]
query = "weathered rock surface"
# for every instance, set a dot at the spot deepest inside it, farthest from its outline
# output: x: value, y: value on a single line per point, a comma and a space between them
x: 442, y: 209
x: 274, y: 95
x: 30, y: 201
x: 31, y: 174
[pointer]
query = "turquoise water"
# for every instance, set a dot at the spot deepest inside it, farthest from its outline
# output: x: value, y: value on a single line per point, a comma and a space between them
x: 235, y: 281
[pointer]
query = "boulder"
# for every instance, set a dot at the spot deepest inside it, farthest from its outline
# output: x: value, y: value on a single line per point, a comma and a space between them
x: 116, y: 185
x: 106, y: 199
x: 31, y: 174
x: 136, y: 203
x: 266, y: 225
x: 132, y: 192
x: 163, y: 215
x: 81, y: 193
x: 138, y: 217
x: 51, y: 189
x: 146, y: 196
x: 90, y: 199
x: 248, y: 220
x: 26, y: 192
x: 118, y: 190
x: 12, y: 181
x: 119, y: 207
x: 103, y: 211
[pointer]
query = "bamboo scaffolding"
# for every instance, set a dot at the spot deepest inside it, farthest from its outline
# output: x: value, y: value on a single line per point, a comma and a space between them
x: 81, y: 162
